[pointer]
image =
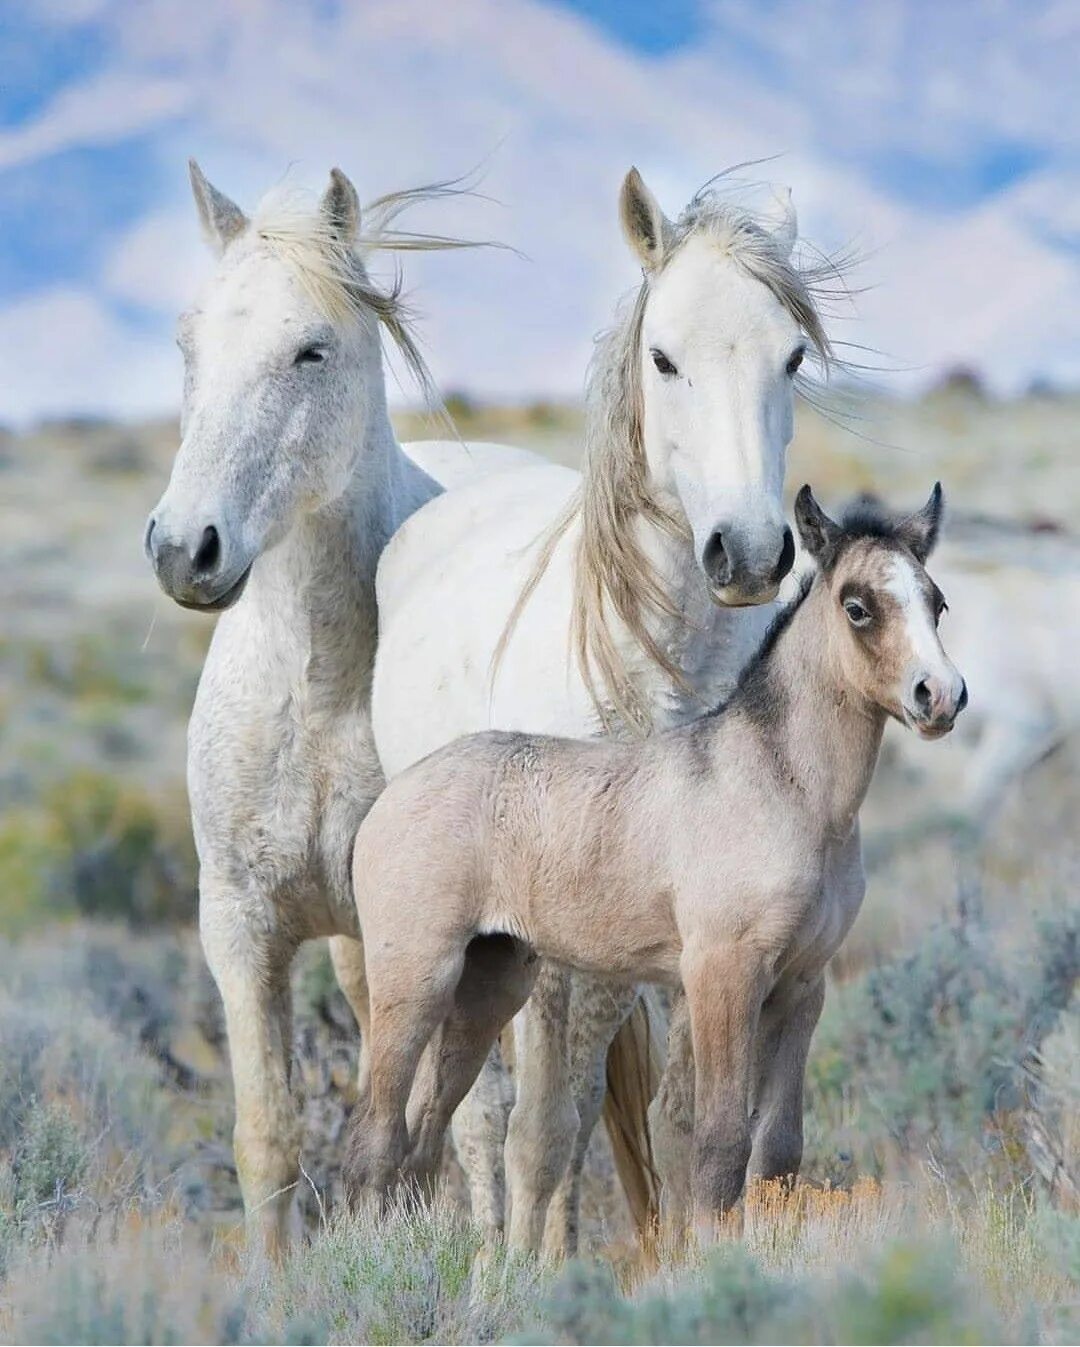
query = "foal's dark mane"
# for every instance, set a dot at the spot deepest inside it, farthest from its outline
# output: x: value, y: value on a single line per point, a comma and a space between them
x: 754, y: 691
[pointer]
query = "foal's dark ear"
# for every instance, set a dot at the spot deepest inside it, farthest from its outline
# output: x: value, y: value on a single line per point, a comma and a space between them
x: 919, y: 531
x: 818, y: 532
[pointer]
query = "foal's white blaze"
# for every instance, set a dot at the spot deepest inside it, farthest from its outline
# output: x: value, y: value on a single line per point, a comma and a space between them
x: 928, y: 663
x: 717, y: 429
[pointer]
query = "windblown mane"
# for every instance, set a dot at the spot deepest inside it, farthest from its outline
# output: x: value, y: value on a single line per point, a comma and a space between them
x: 613, y: 579
x: 333, y: 271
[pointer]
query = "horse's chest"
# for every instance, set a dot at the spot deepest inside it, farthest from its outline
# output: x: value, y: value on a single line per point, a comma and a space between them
x: 279, y: 804
x: 826, y: 912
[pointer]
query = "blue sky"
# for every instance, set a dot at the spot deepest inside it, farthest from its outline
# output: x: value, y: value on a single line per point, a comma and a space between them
x: 939, y: 137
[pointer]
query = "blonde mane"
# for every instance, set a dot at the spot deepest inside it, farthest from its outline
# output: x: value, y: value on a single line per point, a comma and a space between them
x: 613, y: 578
x: 331, y: 268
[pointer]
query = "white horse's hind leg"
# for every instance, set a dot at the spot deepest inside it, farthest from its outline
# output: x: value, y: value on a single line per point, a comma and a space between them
x: 544, y: 1120
x: 347, y: 956
x: 596, y: 1014
x: 671, y: 1120
x: 479, y: 1132
x: 251, y: 969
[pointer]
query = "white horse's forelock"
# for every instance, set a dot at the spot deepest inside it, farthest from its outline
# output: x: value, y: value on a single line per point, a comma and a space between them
x: 613, y: 576
x: 332, y: 268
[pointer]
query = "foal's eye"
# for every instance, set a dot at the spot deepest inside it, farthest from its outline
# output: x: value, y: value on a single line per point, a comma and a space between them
x: 662, y: 363
x: 795, y: 360
x: 310, y: 355
x: 858, y: 615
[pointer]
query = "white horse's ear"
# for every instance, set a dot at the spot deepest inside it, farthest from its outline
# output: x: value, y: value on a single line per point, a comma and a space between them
x: 919, y: 531
x: 782, y: 220
x: 341, y: 207
x: 221, y: 219
x: 820, y: 534
x: 647, y: 229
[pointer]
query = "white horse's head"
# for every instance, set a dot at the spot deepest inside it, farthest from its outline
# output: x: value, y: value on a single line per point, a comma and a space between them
x: 283, y: 374
x: 723, y: 324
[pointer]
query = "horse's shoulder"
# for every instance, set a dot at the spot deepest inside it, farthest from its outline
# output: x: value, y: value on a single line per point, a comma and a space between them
x: 455, y: 463
x: 472, y: 526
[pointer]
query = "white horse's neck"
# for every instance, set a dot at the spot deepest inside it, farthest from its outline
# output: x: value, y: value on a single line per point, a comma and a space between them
x: 315, y: 591
x: 708, y: 642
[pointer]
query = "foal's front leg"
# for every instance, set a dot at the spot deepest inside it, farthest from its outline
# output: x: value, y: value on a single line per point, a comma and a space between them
x: 250, y: 965
x: 724, y: 991
x: 786, y: 1031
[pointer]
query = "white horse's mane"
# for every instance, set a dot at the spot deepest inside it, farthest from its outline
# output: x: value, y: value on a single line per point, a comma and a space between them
x: 613, y: 577
x: 332, y: 268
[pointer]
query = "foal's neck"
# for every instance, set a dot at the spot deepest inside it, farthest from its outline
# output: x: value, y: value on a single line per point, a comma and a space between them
x: 318, y: 584
x: 824, y: 733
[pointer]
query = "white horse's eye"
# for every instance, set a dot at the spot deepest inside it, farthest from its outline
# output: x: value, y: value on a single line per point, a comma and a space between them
x: 662, y: 363
x: 795, y: 360
x: 310, y: 355
x: 858, y: 615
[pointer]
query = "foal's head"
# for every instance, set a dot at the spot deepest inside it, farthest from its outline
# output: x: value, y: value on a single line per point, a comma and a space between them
x: 884, y: 610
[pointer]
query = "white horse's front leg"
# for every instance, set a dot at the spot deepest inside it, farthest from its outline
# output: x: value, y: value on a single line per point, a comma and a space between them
x: 251, y: 968
x: 597, y: 1013
x: 544, y: 1120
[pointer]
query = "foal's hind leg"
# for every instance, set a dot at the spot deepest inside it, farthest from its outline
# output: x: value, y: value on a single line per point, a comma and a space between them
x: 408, y: 1003
x: 498, y: 976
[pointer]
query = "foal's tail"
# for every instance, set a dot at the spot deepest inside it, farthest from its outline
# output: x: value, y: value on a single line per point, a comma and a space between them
x: 635, y: 1062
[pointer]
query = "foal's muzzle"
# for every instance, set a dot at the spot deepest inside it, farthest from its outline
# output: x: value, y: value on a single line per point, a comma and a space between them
x: 934, y: 703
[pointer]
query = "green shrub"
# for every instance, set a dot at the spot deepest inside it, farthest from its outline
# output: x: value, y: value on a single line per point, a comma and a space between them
x: 912, y: 1292
x: 98, y: 847
x: 921, y: 1056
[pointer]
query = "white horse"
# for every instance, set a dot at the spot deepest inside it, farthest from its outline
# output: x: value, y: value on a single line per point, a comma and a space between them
x: 286, y: 487
x: 657, y: 572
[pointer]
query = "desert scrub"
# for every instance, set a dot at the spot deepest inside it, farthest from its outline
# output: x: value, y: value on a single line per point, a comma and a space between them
x: 904, y: 1292
x: 406, y: 1276
x: 96, y: 846
x: 921, y: 1060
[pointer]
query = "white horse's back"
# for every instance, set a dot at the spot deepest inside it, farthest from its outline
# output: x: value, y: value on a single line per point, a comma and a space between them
x: 448, y: 582
x: 455, y: 463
